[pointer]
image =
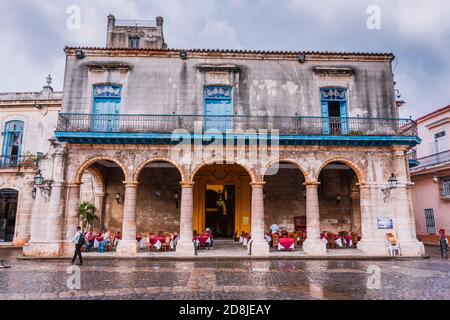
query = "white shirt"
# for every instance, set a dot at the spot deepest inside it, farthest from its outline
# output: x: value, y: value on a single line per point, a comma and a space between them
x: 76, y: 238
x: 275, y: 228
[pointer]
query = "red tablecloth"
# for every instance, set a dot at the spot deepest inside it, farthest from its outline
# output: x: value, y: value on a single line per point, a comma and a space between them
x: 154, y: 241
x: 286, y: 243
x: 201, y: 240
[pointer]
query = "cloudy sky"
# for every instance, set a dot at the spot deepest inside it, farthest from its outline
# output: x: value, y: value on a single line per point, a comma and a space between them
x: 34, y: 33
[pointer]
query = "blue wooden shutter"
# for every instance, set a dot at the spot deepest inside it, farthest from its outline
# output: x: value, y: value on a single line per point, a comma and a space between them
x: 344, y: 117
x: 325, y: 118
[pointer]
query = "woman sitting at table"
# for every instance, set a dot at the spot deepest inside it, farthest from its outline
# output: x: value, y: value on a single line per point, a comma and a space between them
x: 105, y: 241
x: 140, y: 241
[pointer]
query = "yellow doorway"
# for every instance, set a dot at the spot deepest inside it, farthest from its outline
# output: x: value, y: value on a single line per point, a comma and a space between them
x: 222, y: 178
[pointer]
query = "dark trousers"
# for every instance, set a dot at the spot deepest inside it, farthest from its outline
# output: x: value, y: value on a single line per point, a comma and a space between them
x: 77, y: 253
x: 444, y: 248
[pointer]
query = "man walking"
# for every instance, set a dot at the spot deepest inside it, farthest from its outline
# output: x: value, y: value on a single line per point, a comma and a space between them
x: 443, y: 243
x: 79, y: 241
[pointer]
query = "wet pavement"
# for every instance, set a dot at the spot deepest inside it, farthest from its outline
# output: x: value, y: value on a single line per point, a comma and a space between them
x: 226, y: 279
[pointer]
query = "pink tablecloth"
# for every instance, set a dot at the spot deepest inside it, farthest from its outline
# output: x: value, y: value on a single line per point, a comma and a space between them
x: 154, y: 241
x: 202, y: 240
x: 286, y: 244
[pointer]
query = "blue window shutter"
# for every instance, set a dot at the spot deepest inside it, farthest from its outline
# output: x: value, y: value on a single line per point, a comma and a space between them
x: 325, y: 118
x: 344, y: 117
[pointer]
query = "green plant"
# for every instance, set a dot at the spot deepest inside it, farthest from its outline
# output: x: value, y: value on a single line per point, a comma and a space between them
x: 86, y: 214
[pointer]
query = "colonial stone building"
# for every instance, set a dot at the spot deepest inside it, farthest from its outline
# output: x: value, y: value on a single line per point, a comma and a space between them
x: 181, y: 140
x: 28, y: 121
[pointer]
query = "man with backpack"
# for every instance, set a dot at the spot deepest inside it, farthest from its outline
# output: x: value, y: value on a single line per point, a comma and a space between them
x: 79, y: 241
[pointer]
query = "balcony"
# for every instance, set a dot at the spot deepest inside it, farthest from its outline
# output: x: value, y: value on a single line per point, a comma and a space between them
x: 137, y: 129
x: 412, y: 159
x: 27, y: 162
x: 433, y: 160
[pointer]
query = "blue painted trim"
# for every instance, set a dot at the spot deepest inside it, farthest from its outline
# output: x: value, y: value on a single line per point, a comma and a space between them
x: 166, y: 138
x: 413, y: 163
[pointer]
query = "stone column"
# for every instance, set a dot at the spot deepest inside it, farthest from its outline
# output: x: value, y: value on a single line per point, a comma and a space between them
x: 24, y: 209
x: 313, y: 245
x: 405, y: 221
x: 356, y: 211
x: 72, y: 220
x: 55, y: 221
x: 185, y: 246
x: 128, y: 245
x: 99, y: 199
x: 373, y: 242
x: 260, y: 247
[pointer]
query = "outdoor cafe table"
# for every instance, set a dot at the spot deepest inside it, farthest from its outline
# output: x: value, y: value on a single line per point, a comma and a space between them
x: 286, y: 244
x: 157, y: 242
x: 201, y: 241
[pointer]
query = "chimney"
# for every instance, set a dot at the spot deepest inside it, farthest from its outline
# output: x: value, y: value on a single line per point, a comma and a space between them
x: 110, y: 27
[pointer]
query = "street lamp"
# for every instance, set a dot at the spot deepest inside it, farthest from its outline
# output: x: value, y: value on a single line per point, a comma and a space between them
x: 338, y: 198
x: 392, y: 184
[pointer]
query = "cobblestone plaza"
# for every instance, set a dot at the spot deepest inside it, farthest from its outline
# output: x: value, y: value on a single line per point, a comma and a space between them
x: 227, y: 279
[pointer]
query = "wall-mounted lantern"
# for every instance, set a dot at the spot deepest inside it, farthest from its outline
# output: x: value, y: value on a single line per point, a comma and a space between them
x: 435, y: 179
x: 118, y: 197
x: 44, y: 186
x: 392, y: 184
x: 338, y: 198
x: 183, y: 55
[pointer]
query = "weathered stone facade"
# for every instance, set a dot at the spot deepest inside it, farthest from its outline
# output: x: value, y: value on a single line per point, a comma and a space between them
x: 162, y: 88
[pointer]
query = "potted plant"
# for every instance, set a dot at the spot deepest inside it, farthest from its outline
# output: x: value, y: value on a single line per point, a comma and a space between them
x: 29, y: 160
x: 86, y: 214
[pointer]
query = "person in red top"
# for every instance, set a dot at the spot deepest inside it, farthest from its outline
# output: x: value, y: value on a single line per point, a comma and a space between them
x: 90, y: 237
x: 443, y: 243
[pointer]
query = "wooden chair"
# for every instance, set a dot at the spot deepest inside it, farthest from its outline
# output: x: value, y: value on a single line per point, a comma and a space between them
x: 392, y: 244
x: 166, y: 245
x: 331, y: 242
x: 275, y: 239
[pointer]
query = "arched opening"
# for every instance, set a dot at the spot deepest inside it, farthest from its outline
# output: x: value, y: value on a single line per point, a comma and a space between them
x: 102, y: 186
x: 158, y: 198
x: 339, y: 204
x: 8, y: 213
x: 222, y: 200
x: 285, y: 203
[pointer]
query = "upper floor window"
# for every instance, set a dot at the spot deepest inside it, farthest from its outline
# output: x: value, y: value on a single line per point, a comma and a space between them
x: 334, y: 110
x: 439, y: 144
x: 12, y: 142
x: 218, y: 108
x: 134, y: 42
x: 106, y: 109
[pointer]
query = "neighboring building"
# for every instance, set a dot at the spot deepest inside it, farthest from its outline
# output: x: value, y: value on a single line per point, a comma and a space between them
x: 28, y: 121
x: 338, y: 139
x: 430, y: 173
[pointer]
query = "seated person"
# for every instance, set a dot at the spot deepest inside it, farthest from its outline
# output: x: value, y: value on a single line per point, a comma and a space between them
x: 90, y: 238
x: 140, y: 240
x: 339, y: 241
x: 105, y: 241
x: 209, y: 234
x: 117, y: 238
x: 274, y: 228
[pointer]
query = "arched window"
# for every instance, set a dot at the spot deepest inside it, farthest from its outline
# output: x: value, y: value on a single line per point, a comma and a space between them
x: 12, y: 143
x: 106, y: 109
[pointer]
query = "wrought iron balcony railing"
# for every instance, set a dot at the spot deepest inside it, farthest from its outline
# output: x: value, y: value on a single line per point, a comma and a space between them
x: 129, y: 123
x: 433, y: 160
x: 17, y: 161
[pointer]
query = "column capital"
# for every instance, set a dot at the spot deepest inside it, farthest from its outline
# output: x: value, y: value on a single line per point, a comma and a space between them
x: 187, y: 185
x: 312, y: 184
x: 259, y: 184
x: 131, y: 184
